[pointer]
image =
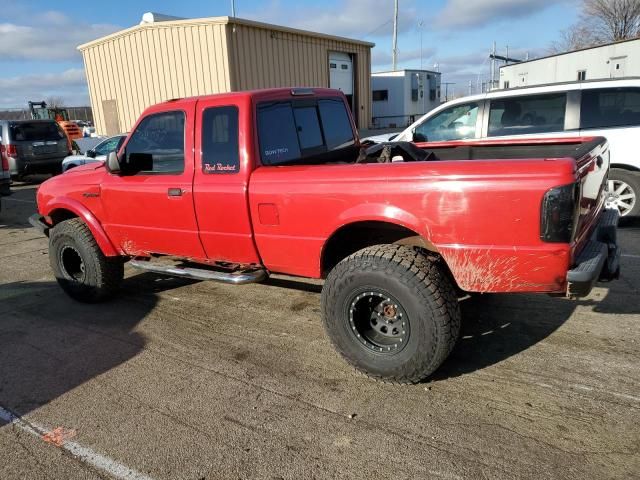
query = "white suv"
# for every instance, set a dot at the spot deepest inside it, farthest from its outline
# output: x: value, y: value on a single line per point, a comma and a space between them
x: 608, y: 108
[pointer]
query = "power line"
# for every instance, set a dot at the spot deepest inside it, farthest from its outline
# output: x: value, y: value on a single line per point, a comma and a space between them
x: 378, y: 27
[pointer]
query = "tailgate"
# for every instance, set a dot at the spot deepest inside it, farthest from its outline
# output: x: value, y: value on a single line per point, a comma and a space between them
x: 592, y: 174
x: 42, y: 150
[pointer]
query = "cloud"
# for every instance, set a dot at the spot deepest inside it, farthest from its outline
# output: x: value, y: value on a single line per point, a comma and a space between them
x: 48, y: 36
x: 359, y: 19
x: 479, y: 13
x: 70, y: 84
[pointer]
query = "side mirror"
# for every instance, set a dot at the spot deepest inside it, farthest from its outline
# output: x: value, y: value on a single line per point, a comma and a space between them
x: 112, y: 163
x: 136, y: 162
x: 418, y: 137
x: 91, y: 153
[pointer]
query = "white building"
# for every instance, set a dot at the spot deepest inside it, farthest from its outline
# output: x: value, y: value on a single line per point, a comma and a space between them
x: 402, y: 96
x: 615, y: 60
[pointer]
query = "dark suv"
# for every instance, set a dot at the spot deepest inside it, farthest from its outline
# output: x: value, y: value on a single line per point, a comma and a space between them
x: 33, y: 146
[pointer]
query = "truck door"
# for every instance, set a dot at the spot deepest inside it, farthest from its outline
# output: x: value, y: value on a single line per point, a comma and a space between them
x: 152, y: 211
x: 223, y: 146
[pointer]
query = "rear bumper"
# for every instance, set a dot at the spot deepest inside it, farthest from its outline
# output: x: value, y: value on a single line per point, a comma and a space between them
x: 599, y: 259
x: 22, y: 166
x: 5, y: 186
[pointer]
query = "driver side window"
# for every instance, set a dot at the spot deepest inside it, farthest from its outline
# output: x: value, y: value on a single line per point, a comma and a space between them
x: 454, y: 123
x: 161, y: 137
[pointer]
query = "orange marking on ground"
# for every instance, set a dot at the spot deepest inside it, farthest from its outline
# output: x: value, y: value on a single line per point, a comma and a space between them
x: 58, y: 436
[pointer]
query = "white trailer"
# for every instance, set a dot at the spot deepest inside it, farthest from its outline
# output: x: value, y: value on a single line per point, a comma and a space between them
x: 614, y: 60
x: 402, y: 96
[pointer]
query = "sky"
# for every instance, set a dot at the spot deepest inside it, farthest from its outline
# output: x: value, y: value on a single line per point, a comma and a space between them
x: 38, y: 38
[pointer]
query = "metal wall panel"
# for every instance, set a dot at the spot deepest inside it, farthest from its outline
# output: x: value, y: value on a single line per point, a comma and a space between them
x: 262, y: 57
x: 147, y: 64
x: 153, y: 63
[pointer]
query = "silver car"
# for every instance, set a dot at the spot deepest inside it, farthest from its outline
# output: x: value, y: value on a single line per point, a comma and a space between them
x: 98, y: 153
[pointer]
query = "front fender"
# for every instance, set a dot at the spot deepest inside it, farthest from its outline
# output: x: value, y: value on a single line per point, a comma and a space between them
x: 78, y: 209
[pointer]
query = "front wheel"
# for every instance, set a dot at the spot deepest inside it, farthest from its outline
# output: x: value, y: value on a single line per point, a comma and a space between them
x: 79, y: 265
x: 623, y: 191
x: 391, y: 312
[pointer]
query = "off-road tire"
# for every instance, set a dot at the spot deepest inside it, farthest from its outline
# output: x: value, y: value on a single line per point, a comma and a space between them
x: 98, y: 279
x: 422, y: 289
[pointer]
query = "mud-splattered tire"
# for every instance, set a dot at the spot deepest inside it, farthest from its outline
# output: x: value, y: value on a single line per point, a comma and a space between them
x: 391, y: 312
x: 79, y: 265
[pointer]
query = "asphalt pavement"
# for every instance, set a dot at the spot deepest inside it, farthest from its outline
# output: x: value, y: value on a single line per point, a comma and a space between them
x: 177, y: 379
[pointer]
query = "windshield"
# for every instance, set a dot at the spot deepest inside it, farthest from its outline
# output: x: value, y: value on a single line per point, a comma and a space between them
x: 454, y: 123
x: 35, y: 131
x: 304, y: 131
x: 109, y: 145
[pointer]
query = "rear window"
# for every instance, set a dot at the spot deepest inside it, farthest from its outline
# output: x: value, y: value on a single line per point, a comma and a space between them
x: 35, y: 131
x: 336, y: 124
x: 610, y: 107
x: 296, y: 130
x: 527, y: 114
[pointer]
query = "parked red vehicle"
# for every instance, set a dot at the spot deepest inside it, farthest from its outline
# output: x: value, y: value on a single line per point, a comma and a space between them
x: 234, y: 187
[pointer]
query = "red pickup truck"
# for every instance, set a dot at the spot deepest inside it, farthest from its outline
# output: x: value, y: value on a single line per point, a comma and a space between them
x: 236, y: 186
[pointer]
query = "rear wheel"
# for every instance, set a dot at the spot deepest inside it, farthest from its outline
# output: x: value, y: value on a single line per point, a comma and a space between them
x: 79, y: 265
x: 623, y: 191
x: 391, y: 312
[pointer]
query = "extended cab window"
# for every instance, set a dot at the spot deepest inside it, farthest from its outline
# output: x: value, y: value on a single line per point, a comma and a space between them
x: 303, y: 131
x: 610, y: 107
x: 527, y: 114
x: 220, y: 140
x: 161, y: 136
x: 454, y: 123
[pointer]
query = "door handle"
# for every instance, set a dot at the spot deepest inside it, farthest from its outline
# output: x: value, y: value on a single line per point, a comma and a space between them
x: 174, y: 192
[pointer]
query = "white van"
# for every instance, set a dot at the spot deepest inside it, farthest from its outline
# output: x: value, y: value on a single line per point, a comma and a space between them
x: 608, y: 108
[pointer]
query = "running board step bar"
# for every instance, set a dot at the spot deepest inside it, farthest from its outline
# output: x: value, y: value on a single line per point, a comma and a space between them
x: 234, y: 278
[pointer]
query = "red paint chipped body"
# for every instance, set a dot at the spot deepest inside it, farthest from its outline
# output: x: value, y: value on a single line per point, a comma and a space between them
x: 481, y: 213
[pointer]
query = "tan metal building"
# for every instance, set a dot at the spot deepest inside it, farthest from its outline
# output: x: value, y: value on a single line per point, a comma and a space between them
x: 150, y: 63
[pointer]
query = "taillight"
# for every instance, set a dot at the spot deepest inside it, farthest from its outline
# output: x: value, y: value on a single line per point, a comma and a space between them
x: 12, y: 150
x: 4, y: 158
x: 559, y: 213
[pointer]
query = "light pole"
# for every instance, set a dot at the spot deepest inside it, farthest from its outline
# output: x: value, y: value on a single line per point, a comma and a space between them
x: 394, y: 53
x: 420, y: 25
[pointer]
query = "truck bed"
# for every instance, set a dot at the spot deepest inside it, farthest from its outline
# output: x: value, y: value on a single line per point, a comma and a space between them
x: 478, y: 203
x: 575, y: 148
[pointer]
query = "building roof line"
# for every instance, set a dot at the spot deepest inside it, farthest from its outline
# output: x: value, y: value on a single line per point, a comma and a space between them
x: 219, y: 21
x: 407, y: 70
x: 572, y: 51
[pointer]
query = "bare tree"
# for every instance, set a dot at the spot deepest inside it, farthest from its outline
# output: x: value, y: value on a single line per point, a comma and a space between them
x: 613, y: 20
x: 54, y: 102
x: 575, y: 37
x: 601, y: 21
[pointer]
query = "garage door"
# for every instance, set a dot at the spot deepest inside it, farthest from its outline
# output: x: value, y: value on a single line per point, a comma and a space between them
x: 341, y: 72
